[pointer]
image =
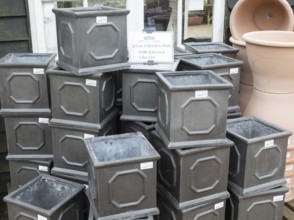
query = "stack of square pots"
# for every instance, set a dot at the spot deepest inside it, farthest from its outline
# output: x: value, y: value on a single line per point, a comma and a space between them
x: 122, y: 177
x: 190, y: 137
x: 140, y: 96
x: 256, y: 172
x: 92, y: 44
x: 25, y: 106
x: 226, y: 67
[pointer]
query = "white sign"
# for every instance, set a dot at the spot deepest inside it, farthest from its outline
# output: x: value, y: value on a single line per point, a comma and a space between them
x: 88, y: 136
x: 43, y: 120
x: 91, y: 82
x: 43, y: 168
x: 101, y: 19
x: 154, y: 47
x: 40, y: 217
x: 38, y: 71
x: 269, y: 143
x: 201, y: 94
x: 218, y: 205
x: 278, y: 198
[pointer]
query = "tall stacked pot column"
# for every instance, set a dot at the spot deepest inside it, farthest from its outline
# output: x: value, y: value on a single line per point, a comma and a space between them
x: 250, y: 15
x: 190, y: 138
x: 26, y: 108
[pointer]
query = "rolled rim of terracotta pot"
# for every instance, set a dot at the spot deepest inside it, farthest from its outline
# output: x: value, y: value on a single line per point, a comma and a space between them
x: 259, y: 15
x: 237, y: 42
x: 270, y: 38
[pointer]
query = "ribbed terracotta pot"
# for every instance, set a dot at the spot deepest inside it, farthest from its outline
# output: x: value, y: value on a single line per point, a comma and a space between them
x: 271, y: 58
x: 255, y: 15
x: 275, y: 108
x: 245, y: 74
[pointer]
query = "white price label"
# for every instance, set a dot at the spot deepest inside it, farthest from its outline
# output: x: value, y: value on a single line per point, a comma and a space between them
x: 278, y: 198
x: 289, y: 141
x: 91, y: 82
x: 40, y: 217
x: 101, y: 19
x: 38, y: 71
x: 288, y: 180
x: 234, y: 70
x: 218, y: 205
x: 147, y: 165
x: 43, y: 120
x: 43, y: 168
x: 288, y: 154
x: 201, y: 94
x: 269, y: 143
x: 290, y: 167
x: 88, y: 136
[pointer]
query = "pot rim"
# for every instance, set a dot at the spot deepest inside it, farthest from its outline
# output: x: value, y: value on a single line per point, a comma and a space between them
x: 237, y: 42
x: 250, y: 38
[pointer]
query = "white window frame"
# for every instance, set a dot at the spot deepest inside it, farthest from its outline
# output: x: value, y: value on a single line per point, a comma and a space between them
x: 43, y: 31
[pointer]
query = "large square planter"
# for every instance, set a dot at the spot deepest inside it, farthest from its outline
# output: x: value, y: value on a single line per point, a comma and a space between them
x: 192, y: 108
x: 213, y: 209
x: 140, y: 87
x: 92, y: 39
x: 211, y: 47
x: 122, y: 175
x: 46, y: 197
x: 70, y: 155
x: 24, y: 84
x: 178, y: 52
x: 82, y: 100
x: 28, y: 137
x: 226, y: 67
x: 257, y: 159
x: 264, y: 205
x: 22, y: 171
x: 192, y: 176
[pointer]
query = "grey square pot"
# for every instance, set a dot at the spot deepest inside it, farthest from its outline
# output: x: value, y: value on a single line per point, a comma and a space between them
x: 92, y: 39
x: 122, y: 175
x: 22, y: 171
x: 137, y: 126
x: 178, y: 52
x: 139, y: 91
x: 192, y: 108
x: 211, y: 47
x: 70, y: 155
x: 264, y: 205
x: 46, y: 197
x: 192, y: 176
x: 257, y: 160
x: 213, y: 209
x: 23, y: 83
x: 226, y: 67
x: 28, y: 137
x: 82, y: 101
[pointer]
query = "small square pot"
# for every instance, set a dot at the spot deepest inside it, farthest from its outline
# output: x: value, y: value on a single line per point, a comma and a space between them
x: 92, y: 39
x: 46, y: 197
x: 192, y: 108
x: 23, y: 82
x: 257, y: 159
x: 116, y: 163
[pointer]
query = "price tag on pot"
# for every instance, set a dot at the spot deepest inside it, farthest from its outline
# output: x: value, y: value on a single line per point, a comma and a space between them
x: 88, y: 136
x: 218, y: 205
x: 43, y: 168
x: 269, y: 143
x: 101, y: 19
x: 43, y: 120
x: 289, y: 167
x: 201, y: 94
x: 234, y: 70
x: 40, y: 217
x: 146, y: 165
x: 91, y: 82
x: 38, y: 71
x: 278, y: 198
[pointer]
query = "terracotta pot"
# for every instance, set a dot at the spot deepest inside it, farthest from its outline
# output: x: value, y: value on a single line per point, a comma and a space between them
x: 275, y: 108
x: 271, y: 56
x: 245, y: 92
x: 245, y: 74
x: 255, y: 15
